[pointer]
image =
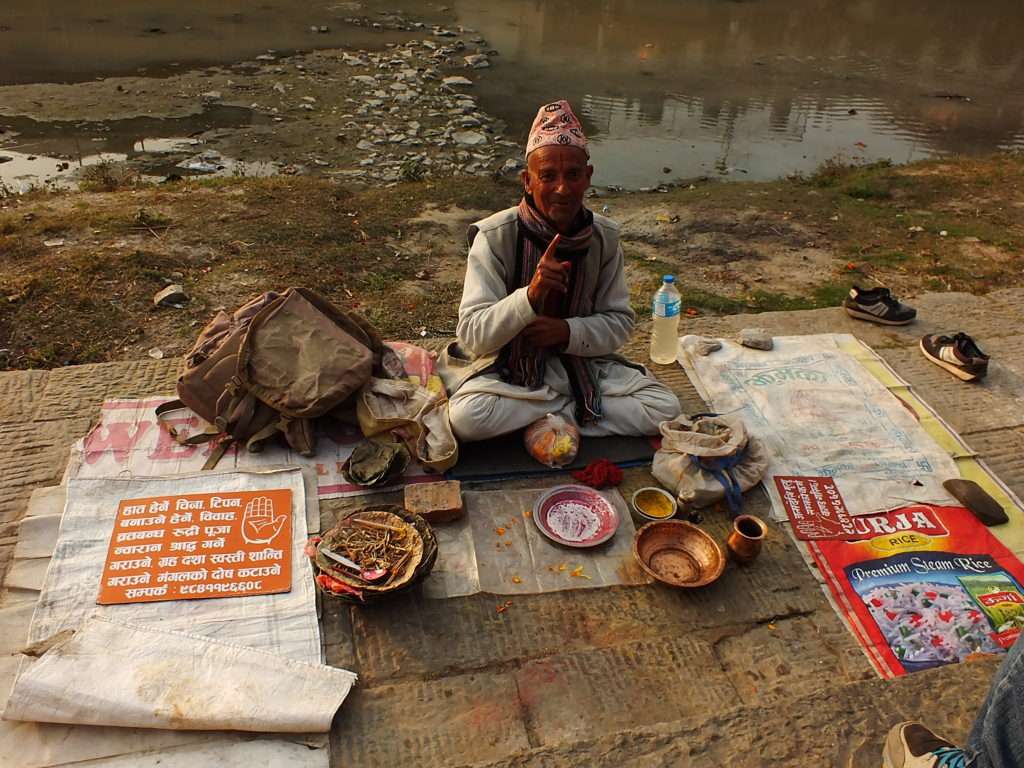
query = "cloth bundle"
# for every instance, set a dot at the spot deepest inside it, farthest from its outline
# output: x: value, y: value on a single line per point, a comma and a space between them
x: 417, y: 414
x: 709, y: 458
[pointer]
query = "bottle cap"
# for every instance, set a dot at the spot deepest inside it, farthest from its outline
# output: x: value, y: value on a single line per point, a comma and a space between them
x: 669, y: 279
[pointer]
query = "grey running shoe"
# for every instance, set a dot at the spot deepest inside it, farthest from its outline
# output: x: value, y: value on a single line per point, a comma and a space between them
x: 958, y: 354
x: 911, y: 745
x: 877, y: 306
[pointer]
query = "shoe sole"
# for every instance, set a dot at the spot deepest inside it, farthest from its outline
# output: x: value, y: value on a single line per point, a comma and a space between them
x: 958, y: 372
x: 875, y: 318
x: 894, y: 746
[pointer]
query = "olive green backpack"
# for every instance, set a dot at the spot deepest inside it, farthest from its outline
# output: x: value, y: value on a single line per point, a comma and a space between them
x: 276, y: 364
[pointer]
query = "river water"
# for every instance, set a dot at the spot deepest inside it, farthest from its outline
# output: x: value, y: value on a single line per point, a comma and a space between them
x: 668, y: 89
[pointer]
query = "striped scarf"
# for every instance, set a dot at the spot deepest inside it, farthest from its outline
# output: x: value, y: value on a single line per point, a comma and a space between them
x: 524, y: 364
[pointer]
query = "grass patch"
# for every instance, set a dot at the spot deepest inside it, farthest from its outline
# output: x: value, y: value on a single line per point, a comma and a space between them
x: 107, y: 177
x: 225, y: 240
x: 228, y: 239
x: 888, y: 258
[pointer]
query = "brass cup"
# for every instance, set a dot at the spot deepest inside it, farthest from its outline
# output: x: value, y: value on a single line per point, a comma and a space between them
x: 744, y: 542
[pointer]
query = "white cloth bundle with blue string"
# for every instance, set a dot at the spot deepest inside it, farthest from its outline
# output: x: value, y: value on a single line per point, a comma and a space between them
x: 708, y: 458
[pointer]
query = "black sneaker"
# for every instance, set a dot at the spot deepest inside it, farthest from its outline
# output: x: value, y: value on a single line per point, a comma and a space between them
x: 877, y: 306
x: 958, y: 354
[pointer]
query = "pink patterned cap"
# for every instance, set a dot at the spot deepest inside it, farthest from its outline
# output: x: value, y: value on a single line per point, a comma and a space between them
x: 556, y: 123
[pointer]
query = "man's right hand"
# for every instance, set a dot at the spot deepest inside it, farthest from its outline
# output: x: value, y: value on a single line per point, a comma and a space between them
x: 551, y: 275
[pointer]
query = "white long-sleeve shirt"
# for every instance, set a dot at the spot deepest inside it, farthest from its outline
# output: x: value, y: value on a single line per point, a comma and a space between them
x: 490, y: 317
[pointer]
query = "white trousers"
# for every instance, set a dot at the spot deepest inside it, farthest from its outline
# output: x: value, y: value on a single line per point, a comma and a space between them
x: 632, y: 403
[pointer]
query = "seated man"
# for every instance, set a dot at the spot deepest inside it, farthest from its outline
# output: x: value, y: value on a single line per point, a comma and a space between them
x: 545, y: 307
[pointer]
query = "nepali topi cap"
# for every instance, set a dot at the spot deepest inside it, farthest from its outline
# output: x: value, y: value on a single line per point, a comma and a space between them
x: 556, y: 124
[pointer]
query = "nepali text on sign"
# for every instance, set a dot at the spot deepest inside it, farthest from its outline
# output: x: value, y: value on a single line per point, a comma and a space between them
x: 190, y: 546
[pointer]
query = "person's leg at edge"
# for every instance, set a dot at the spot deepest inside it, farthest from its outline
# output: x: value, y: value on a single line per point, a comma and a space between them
x: 996, y: 739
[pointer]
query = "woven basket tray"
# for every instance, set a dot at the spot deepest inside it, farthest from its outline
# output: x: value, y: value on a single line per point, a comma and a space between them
x: 414, y: 572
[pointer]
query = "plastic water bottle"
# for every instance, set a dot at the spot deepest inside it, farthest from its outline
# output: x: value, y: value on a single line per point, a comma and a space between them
x: 665, y: 311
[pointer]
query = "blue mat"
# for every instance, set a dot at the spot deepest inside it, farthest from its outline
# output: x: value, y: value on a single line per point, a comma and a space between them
x: 505, y: 457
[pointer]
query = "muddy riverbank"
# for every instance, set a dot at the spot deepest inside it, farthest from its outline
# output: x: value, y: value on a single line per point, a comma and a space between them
x: 406, y: 112
x: 668, y: 91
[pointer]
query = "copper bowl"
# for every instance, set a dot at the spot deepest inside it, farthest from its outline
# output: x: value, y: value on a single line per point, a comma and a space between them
x: 678, y: 553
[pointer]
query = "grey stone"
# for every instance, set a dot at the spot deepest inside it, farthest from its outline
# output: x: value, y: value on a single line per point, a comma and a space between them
x: 456, y: 80
x: 704, y: 346
x: 477, y: 61
x: 469, y: 138
x: 171, y: 296
x: 511, y: 165
x: 756, y: 338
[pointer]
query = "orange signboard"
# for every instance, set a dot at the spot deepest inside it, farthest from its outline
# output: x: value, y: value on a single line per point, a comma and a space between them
x: 199, y: 545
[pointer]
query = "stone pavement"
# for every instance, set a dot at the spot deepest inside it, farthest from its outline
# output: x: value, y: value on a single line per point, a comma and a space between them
x: 755, y: 670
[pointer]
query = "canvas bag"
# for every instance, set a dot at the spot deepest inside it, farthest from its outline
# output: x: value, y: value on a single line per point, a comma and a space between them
x: 273, y: 366
x: 708, y: 458
x: 419, y: 415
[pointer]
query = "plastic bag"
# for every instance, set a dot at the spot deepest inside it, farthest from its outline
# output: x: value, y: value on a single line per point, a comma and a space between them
x: 707, y: 459
x: 553, y: 440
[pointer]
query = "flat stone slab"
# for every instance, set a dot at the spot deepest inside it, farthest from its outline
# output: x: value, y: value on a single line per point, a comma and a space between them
x: 590, y: 693
x: 969, y: 407
x: 79, y: 390
x: 833, y: 727
x: 1003, y: 451
x: 764, y: 662
x: 19, y: 394
x: 450, y: 721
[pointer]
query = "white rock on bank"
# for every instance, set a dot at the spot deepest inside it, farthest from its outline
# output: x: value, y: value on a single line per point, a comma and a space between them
x: 469, y: 138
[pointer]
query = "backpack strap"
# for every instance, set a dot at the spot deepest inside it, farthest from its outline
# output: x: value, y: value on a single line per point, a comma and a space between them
x: 218, y: 453
x: 236, y: 408
x: 255, y: 443
x: 210, y: 433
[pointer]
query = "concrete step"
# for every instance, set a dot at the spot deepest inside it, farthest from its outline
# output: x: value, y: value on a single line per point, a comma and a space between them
x: 839, y: 726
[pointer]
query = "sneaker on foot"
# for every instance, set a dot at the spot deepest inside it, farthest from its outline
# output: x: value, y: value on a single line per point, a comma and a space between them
x: 958, y: 354
x: 911, y: 745
x: 877, y: 306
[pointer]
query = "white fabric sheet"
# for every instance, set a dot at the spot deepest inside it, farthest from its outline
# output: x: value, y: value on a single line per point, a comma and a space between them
x: 821, y: 414
x: 284, y: 624
x: 250, y: 663
x: 474, y: 557
x: 115, y: 673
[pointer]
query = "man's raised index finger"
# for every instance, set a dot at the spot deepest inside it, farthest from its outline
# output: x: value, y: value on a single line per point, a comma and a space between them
x: 552, y: 246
